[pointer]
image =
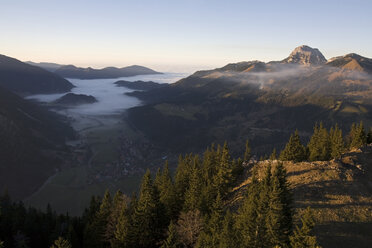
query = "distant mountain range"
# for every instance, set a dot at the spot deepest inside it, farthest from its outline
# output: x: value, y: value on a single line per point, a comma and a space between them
x: 257, y: 100
x: 25, y: 79
x: 71, y: 71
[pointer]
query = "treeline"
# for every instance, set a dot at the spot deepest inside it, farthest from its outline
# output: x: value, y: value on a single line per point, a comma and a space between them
x: 187, y: 210
x: 325, y: 144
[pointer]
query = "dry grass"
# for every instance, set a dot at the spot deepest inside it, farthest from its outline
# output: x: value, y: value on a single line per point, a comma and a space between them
x: 339, y: 191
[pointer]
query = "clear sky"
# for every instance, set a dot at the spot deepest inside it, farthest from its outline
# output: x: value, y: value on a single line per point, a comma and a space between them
x: 180, y: 35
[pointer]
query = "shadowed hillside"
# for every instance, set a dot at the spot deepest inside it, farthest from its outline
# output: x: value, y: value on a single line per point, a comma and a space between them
x: 27, y: 79
x: 31, y: 144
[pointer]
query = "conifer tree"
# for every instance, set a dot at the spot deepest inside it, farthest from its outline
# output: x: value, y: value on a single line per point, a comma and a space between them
x: 94, y: 234
x: 273, y: 155
x: 369, y: 136
x: 167, y: 193
x: 229, y: 234
x: 148, y: 219
x: 182, y: 177
x: 210, y: 236
x: 194, y: 191
x: 172, y: 240
x: 247, y: 219
x: 357, y: 135
x: 247, y: 153
x: 302, y: 236
x: 122, y: 229
x: 61, y: 243
x: 279, y: 214
x: 224, y: 175
x: 294, y: 150
x: 118, y: 203
x: 337, y: 142
x: 320, y: 144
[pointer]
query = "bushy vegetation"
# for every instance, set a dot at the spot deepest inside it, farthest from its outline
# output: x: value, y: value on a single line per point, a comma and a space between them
x: 187, y: 210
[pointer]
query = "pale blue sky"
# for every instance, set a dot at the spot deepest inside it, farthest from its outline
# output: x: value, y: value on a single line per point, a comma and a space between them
x: 177, y: 35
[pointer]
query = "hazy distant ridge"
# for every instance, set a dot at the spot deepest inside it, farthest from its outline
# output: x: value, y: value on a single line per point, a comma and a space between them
x: 71, y: 71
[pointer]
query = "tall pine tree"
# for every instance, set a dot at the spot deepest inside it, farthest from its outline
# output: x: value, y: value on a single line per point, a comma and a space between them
x: 148, y: 218
x: 294, y: 150
x: 302, y: 236
x: 337, y: 142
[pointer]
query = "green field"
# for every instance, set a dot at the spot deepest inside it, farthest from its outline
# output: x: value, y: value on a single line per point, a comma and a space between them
x: 69, y: 192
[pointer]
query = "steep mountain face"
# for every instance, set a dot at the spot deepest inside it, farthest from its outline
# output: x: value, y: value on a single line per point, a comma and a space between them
x: 31, y: 144
x: 26, y: 79
x: 255, y: 100
x: 305, y: 55
x: 71, y: 71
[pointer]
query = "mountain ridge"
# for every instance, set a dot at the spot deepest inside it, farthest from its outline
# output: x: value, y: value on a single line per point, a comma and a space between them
x: 26, y: 79
x: 72, y: 71
x: 239, y: 100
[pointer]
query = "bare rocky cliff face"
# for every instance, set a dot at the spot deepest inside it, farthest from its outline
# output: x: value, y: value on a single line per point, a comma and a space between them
x: 305, y: 55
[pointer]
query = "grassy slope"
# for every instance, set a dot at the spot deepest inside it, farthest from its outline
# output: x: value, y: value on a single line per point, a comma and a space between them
x: 339, y: 191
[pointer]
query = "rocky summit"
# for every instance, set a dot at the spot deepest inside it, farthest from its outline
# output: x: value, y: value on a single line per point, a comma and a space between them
x: 305, y: 55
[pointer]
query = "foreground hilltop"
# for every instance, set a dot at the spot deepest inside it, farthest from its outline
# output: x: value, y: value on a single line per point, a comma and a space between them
x: 340, y: 192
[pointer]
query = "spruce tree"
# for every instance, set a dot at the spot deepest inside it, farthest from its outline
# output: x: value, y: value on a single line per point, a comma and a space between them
x: 209, y: 237
x: 182, y: 177
x: 357, y: 135
x: 337, y: 142
x: 167, y: 193
x: 320, y: 144
x: 273, y: 155
x: 193, y: 194
x: 122, y: 229
x: 279, y: 214
x: 224, y: 175
x: 369, y: 136
x: 294, y: 150
x: 247, y: 153
x: 61, y: 243
x: 247, y: 218
x: 172, y: 240
x: 118, y: 203
x: 148, y: 219
x: 229, y: 235
x: 94, y: 233
x: 302, y: 236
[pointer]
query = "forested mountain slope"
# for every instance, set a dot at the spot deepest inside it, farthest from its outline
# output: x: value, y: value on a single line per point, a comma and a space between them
x: 26, y: 79
x: 31, y: 144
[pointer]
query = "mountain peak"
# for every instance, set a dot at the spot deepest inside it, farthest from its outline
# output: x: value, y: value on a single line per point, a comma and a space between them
x: 305, y: 55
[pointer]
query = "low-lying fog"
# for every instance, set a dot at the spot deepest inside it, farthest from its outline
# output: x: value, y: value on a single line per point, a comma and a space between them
x: 111, y: 99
